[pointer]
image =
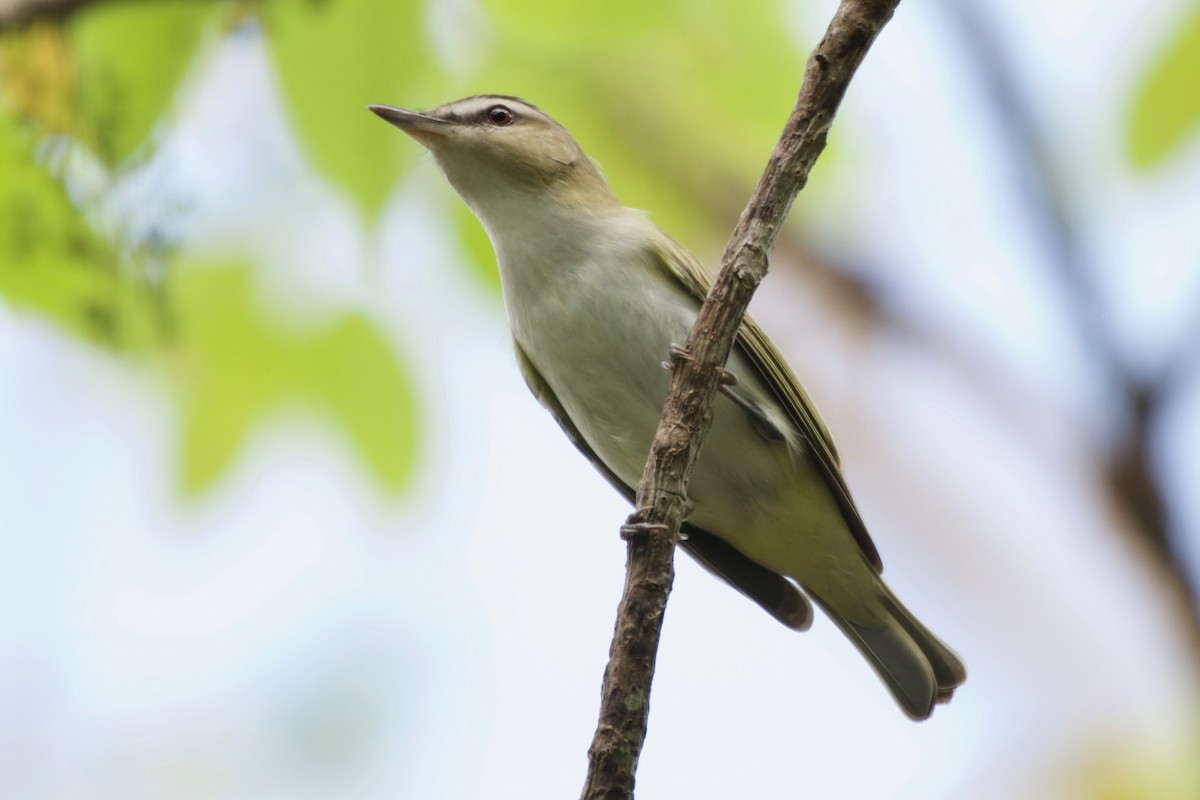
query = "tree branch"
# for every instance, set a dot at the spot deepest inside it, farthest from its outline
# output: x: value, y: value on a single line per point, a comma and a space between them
x: 18, y: 12
x: 653, y: 529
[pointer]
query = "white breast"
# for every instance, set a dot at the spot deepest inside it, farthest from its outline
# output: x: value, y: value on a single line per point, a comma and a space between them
x: 596, y: 317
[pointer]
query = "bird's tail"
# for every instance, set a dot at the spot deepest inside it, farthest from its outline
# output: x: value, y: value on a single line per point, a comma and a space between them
x: 917, y: 667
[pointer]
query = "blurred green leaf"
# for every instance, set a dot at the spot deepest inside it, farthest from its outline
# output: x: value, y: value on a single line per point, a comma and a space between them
x: 37, y: 76
x: 743, y: 72
x: 552, y: 22
x: 1157, y: 766
x: 356, y: 373
x: 238, y: 368
x: 1166, y: 107
x: 53, y: 263
x: 129, y: 59
x: 334, y: 59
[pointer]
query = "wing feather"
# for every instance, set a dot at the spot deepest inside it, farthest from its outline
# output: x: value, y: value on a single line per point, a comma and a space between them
x: 778, y: 596
x: 774, y: 371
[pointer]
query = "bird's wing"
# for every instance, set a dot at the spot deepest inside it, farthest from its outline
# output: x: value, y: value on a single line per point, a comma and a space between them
x: 774, y: 371
x: 778, y: 596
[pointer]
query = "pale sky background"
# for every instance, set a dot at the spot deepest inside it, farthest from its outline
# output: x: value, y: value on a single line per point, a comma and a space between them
x: 294, y: 633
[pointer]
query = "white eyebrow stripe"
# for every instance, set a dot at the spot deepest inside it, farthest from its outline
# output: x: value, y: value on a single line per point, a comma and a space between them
x: 473, y: 107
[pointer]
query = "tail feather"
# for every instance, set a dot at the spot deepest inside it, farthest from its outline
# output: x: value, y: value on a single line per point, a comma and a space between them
x: 918, y: 668
x: 948, y: 668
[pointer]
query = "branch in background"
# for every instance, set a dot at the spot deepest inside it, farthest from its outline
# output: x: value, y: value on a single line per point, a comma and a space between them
x: 653, y: 529
x: 1184, y: 364
x: 845, y: 286
x: 18, y: 12
x: 1129, y: 466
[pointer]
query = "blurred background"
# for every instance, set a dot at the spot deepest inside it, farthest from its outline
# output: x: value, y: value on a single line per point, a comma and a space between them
x: 278, y: 518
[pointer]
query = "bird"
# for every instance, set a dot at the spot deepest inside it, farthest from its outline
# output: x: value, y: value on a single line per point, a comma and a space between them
x: 596, y: 295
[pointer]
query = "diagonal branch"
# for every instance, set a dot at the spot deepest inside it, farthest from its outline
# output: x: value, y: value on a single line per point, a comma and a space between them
x: 653, y: 529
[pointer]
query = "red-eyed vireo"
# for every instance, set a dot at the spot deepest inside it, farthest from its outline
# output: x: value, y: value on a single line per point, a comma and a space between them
x: 596, y: 295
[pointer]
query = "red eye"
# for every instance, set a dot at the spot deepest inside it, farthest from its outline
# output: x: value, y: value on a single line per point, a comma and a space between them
x: 499, y: 115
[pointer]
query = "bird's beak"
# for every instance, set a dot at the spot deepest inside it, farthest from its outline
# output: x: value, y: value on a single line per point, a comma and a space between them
x: 413, y: 123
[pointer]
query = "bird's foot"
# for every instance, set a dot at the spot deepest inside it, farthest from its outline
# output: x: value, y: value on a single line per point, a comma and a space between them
x: 632, y: 530
x: 677, y: 353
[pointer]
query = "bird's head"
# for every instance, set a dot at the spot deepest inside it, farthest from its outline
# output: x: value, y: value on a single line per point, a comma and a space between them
x: 500, y: 149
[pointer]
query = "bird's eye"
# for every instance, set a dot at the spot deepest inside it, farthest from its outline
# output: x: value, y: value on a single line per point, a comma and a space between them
x: 499, y: 116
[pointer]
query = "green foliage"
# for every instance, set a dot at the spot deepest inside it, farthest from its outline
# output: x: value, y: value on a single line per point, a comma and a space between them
x: 336, y: 58
x: 1166, y: 108
x: 88, y: 81
x: 236, y: 368
x: 53, y: 263
x: 545, y: 22
x: 128, y: 62
x: 36, y: 76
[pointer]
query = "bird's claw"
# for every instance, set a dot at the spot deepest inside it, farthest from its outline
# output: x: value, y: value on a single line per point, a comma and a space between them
x: 631, y: 530
x: 677, y: 353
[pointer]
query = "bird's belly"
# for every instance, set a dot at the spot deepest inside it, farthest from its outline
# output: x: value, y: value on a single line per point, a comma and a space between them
x: 613, y: 384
